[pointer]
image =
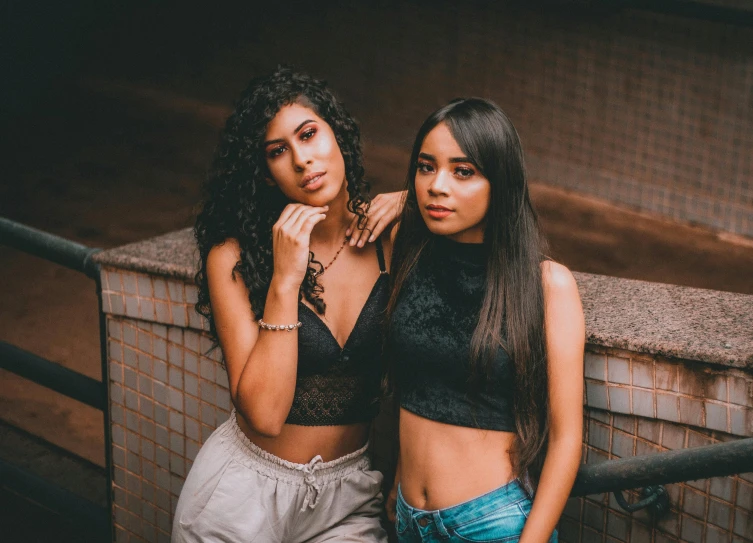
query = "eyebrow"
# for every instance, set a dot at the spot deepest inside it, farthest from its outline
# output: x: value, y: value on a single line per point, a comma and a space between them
x: 454, y: 160
x: 297, y: 128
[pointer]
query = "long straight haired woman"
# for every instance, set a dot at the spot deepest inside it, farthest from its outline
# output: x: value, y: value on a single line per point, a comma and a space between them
x: 485, y: 342
x: 297, y: 312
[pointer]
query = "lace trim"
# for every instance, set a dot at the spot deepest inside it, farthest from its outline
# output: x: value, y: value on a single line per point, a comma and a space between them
x: 332, y: 400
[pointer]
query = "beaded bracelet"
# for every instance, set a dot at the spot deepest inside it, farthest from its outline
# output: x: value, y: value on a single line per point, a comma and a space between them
x: 289, y: 327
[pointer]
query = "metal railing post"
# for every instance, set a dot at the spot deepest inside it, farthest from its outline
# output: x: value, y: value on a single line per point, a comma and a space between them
x: 106, y: 401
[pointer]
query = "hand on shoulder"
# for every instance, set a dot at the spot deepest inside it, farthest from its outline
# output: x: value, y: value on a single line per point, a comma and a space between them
x: 384, y: 212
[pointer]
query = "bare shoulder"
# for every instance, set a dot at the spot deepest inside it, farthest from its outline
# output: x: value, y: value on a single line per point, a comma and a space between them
x: 227, y: 290
x: 222, y: 258
x: 565, y: 322
x: 557, y: 279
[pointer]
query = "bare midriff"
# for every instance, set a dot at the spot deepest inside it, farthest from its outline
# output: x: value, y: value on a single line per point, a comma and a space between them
x: 299, y: 444
x: 442, y: 465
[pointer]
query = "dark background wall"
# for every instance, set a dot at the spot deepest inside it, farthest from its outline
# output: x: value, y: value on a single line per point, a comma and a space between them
x: 649, y: 109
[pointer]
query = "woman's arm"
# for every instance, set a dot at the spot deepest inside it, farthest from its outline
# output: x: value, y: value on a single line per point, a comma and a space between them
x: 565, y: 339
x: 261, y: 364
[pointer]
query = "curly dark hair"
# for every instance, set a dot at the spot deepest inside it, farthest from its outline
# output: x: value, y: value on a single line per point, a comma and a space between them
x: 239, y: 204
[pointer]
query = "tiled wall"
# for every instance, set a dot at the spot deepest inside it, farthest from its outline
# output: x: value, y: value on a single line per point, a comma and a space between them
x: 676, y: 391
x: 151, y: 298
x: 649, y: 110
x: 640, y: 405
x: 709, y: 510
x: 168, y: 393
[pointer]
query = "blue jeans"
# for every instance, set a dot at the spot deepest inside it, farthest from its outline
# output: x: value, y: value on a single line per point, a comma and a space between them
x: 494, y: 517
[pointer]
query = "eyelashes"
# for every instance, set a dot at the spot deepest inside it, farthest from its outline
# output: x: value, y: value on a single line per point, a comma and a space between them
x: 308, y: 134
x: 462, y: 172
x: 305, y: 135
x: 423, y: 167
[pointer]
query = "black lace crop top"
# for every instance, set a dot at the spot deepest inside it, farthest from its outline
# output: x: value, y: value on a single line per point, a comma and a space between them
x: 341, y: 385
x: 429, y: 341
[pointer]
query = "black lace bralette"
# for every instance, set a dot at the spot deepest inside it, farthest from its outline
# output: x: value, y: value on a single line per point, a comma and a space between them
x: 341, y: 385
x: 429, y: 341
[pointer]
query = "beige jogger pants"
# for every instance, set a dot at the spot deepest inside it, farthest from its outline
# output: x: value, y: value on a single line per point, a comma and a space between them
x: 237, y: 492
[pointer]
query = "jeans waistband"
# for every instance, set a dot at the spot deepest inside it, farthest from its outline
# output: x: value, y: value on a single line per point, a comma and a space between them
x: 509, y: 493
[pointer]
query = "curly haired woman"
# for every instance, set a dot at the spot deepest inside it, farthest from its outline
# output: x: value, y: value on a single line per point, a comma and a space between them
x: 297, y: 311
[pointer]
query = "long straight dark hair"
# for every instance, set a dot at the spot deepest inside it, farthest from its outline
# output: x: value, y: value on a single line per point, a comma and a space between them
x: 512, y: 311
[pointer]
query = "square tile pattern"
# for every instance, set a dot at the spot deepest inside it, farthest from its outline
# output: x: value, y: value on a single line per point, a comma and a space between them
x: 151, y: 298
x: 679, y: 391
x: 704, y: 511
x: 169, y: 391
x: 640, y: 109
x: 648, y: 110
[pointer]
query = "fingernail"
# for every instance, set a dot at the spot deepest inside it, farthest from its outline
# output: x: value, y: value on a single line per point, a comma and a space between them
x: 347, y: 232
x: 360, y: 243
x: 372, y: 238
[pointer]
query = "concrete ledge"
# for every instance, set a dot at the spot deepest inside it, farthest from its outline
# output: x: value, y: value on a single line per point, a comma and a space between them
x: 668, y: 320
x: 171, y: 255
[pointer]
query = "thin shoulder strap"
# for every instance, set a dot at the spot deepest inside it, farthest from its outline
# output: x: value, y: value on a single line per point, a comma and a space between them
x: 380, y: 256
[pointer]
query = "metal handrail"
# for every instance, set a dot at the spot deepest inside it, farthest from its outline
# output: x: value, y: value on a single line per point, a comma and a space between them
x: 77, y: 257
x: 49, y: 246
x: 53, y: 376
x: 718, y: 460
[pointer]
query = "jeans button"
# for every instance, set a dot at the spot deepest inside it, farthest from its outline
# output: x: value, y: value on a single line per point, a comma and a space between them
x: 423, y: 522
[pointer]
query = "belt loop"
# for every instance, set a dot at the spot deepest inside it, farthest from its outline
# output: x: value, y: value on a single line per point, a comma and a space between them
x: 439, y: 525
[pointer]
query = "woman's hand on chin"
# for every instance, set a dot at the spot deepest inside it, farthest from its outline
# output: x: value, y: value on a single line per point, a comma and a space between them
x: 291, y: 237
x: 383, y: 212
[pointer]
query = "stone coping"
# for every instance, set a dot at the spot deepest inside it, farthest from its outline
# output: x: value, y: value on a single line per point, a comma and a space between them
x: 678, y: 322
x: 170, y: 255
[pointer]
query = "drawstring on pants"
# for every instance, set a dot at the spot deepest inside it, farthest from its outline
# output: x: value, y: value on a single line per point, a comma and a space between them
x: 312, y: 485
